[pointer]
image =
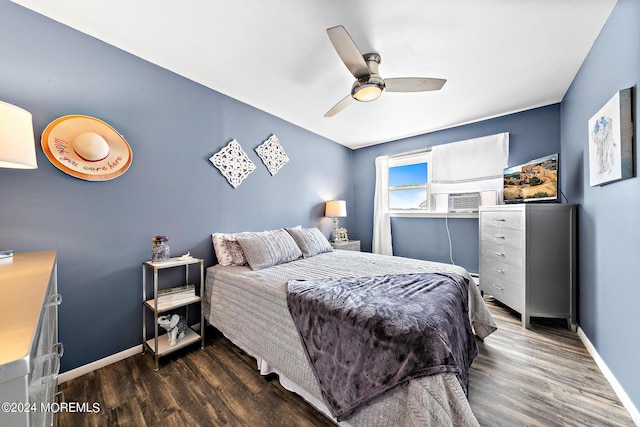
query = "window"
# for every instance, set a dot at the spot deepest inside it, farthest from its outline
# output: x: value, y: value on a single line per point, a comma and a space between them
x: 409, y: 183
x: 420, y: 182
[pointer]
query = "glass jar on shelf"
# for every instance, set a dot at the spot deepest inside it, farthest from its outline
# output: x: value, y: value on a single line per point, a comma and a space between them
x: 160, y: 251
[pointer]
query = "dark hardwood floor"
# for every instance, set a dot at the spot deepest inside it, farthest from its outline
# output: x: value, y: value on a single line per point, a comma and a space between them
x: 538, y: 377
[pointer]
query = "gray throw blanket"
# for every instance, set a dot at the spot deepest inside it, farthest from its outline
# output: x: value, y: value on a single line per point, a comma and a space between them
x: 366, y: 335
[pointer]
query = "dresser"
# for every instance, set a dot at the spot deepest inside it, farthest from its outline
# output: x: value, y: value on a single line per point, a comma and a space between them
x: 528, y: 259
x: 29, y: 349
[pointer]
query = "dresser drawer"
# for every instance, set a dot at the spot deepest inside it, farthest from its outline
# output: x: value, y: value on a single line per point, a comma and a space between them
x: 501, y: 253
x: 508, y: 219
x: 503, y: 237
x: 514, y: 275
x: 512, y: 296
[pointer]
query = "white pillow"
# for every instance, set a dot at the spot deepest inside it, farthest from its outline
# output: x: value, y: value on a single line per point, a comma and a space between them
x: 227, y: 249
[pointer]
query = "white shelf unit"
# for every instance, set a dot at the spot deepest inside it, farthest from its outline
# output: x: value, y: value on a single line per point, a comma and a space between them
x: 158, y: 344
x: 190, y: 337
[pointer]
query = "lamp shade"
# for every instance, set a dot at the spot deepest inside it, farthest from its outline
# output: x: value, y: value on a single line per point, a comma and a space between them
x: 17, y: 144
x: 336, y: 208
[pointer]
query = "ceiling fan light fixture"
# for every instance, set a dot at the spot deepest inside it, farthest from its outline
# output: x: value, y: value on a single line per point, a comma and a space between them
x: 369, y: 85
x: 367, y: 91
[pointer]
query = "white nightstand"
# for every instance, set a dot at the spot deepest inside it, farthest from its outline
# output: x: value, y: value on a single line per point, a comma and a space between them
x: 349, y: 245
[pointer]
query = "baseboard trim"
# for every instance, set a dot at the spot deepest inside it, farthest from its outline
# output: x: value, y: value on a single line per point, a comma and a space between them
x: 90, y: 367
x: 622, y: 395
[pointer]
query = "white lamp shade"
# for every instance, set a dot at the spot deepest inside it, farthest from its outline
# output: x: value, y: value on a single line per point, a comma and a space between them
x: 17, y: 144
x: 336, y: 208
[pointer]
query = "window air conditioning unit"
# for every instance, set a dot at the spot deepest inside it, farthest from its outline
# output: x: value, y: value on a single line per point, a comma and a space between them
x: 464, y: 202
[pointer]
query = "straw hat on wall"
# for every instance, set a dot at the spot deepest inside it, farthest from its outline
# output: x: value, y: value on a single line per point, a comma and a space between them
x: 86, y: 148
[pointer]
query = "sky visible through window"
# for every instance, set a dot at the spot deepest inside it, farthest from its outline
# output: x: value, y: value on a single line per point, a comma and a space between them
x: 409, y: 198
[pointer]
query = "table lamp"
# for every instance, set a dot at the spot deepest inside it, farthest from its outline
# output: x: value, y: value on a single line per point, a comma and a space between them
x: 336, y: 209
x: 17, y: 144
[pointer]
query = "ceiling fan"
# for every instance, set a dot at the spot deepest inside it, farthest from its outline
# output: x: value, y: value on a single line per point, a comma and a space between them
x: 369, y: 85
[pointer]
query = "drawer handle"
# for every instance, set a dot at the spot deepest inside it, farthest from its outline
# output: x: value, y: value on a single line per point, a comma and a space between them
x: 58, y: 352
x: 498, y: 287
x: 499, y: 236
x: 498, y: 270
x: 54, y: 372
x: 500, y: 219
x: 56, y: 300
x: 499, y: 254
x: 59, y: 349
x: 50, y: 378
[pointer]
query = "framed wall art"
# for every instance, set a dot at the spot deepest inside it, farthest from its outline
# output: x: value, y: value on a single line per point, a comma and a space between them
x: 611, y: 141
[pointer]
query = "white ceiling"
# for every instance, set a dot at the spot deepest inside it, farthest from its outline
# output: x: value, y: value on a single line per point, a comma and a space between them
x: 498, y: 56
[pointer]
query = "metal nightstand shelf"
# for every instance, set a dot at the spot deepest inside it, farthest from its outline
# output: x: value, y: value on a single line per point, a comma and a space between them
x: 158, y: 345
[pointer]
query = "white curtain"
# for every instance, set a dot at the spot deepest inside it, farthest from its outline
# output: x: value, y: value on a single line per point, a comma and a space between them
x: 471, y: 165
x: 381, y: 243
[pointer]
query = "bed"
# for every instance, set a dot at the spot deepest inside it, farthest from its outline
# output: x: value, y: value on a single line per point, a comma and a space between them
x: 248, y: 304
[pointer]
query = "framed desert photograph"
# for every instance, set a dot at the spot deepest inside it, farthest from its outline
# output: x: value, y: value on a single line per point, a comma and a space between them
x: 611, y: 141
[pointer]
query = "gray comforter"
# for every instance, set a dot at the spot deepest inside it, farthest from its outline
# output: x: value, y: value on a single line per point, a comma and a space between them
x: 250, y: 308
x: 367, y: 335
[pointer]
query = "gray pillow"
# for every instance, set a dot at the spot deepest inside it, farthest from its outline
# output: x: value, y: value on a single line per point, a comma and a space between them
x: 270, y: 249
x: 311, y: 241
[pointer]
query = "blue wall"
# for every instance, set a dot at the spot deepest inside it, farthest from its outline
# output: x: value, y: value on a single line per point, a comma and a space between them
x: 102, y: 230
x: 608, y: 215
x: 532, y: 134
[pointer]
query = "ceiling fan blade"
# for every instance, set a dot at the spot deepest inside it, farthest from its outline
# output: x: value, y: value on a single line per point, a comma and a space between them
x: 348, y: 51
x: 413, y: 84
x: 344, y: 103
